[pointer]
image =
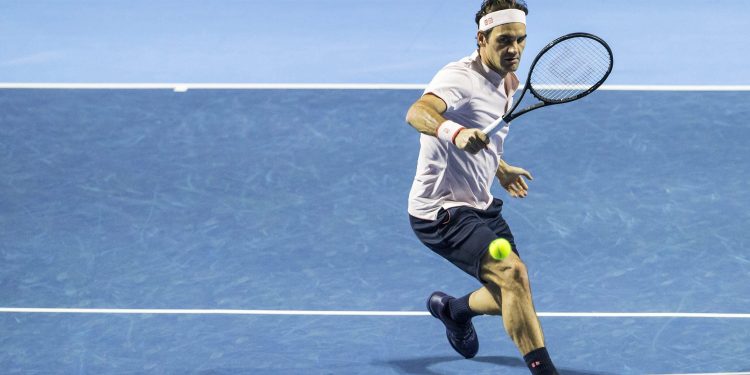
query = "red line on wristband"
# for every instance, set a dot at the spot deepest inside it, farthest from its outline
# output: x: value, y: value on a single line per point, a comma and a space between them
x: 453, y: 138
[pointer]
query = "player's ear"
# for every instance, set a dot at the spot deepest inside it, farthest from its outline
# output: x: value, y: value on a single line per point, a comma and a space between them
x: 481, y: 39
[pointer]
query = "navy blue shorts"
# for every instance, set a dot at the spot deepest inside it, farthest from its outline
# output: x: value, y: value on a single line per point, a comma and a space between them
x: 462, y: 235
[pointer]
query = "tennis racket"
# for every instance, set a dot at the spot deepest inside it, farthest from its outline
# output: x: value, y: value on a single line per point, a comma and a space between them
x: 569, y: 68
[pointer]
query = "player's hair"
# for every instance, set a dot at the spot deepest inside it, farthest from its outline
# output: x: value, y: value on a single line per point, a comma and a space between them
x: 489, y: 6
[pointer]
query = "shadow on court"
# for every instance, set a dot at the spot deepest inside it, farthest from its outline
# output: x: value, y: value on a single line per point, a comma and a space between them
x: 422, y: 365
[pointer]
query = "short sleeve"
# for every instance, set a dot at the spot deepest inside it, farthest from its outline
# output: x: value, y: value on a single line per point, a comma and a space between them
x: 453, y: 85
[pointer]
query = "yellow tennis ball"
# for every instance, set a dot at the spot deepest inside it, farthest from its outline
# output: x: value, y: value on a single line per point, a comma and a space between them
x: 500, y: 249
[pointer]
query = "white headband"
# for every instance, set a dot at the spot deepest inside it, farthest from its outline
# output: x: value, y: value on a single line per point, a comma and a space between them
x: 501, y: 17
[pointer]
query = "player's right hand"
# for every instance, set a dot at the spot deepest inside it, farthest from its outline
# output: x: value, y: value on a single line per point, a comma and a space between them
x: 471, y: 140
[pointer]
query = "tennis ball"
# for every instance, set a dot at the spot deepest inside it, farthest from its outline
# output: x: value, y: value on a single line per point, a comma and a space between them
x: 500, y: 249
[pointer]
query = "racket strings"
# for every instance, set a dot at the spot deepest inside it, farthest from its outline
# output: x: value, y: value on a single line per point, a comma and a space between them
x: 567, y: 73
x: 570, y: 68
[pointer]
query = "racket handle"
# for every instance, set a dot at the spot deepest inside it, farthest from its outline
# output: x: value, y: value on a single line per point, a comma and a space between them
x: 494, y: 127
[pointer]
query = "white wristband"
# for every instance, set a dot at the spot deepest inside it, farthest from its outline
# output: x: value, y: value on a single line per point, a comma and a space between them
x: 448, y: 130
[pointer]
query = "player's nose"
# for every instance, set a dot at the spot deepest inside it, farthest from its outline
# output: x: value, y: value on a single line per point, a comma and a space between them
x: 513, y: 48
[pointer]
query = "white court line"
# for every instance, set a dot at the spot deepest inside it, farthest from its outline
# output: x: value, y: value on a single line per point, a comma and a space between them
x: 711, y: 373
x: 44, y: 310
x: 35, y: 310
x: 182, y: 87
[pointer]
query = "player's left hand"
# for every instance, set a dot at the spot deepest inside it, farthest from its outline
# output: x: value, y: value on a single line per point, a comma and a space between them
x: 511, y: 179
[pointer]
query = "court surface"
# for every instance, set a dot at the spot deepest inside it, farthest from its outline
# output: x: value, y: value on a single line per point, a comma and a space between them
x: 296, y: 200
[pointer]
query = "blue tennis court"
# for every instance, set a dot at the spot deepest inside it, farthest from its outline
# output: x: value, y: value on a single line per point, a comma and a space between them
x: 191, y: 187
x: 288, y: 200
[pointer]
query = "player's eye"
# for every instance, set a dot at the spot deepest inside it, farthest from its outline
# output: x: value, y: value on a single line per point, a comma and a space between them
x: 509, y: 40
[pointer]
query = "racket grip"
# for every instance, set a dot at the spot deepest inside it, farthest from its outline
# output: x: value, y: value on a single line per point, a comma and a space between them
x: 494, y: 127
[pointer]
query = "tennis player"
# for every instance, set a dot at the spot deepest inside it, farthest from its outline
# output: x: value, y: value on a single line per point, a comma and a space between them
x: 451, y: 209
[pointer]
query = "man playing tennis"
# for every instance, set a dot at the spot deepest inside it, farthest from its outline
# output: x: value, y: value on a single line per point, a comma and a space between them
x: 451, y: 208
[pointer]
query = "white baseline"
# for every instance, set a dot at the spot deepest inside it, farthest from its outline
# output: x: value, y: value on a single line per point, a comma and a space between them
x: 55, y: 310
x: 182, y: 87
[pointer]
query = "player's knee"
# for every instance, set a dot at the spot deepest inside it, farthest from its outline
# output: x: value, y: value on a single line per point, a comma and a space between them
x: 509, y: 275
x: 519, y: 277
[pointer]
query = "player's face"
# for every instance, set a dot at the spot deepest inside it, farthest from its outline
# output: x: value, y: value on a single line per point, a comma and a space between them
x: 501, y: 50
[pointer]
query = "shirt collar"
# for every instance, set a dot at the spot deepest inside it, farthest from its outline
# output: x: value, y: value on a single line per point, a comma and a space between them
x: 511, y: 84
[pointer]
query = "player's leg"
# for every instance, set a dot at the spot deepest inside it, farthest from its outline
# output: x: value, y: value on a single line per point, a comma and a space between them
x: 501, y: 228
x: 480, y: 302
x: 509, y: 278
x: 450, y: 235
x: 462, y: 235
x: 483, y: 302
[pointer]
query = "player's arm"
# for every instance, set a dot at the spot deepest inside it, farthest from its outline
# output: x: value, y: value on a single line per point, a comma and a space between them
x: 511, y: 179
x: 426, y: 115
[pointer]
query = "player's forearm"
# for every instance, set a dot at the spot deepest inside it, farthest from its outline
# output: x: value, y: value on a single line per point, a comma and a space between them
x: 424, y: 118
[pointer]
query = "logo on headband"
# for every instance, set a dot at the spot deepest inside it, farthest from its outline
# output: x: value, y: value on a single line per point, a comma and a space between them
x: 501, y: 17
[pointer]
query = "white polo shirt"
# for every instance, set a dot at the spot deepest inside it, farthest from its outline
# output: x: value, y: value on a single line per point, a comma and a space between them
x: 447, y: 176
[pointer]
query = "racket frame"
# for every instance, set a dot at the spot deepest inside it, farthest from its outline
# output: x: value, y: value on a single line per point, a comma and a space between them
x: 546, y: 102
